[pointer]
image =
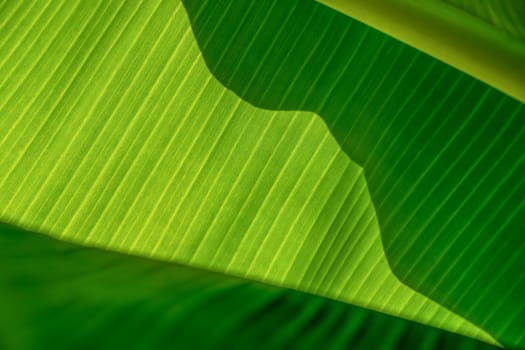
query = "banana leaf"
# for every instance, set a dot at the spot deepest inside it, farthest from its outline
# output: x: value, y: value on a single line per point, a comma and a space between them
x: 280, y: 142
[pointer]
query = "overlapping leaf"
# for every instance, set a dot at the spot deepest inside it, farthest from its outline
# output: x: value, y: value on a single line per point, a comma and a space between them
x: 61, y: 296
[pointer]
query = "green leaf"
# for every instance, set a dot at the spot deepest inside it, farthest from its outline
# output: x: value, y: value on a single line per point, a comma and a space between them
x: 117, y: 132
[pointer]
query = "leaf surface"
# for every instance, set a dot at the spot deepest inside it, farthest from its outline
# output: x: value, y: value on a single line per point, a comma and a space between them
x: 114, y: 133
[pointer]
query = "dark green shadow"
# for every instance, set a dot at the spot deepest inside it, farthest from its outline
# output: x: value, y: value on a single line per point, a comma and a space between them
x: 443, y: 154
x: 56, y: 295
